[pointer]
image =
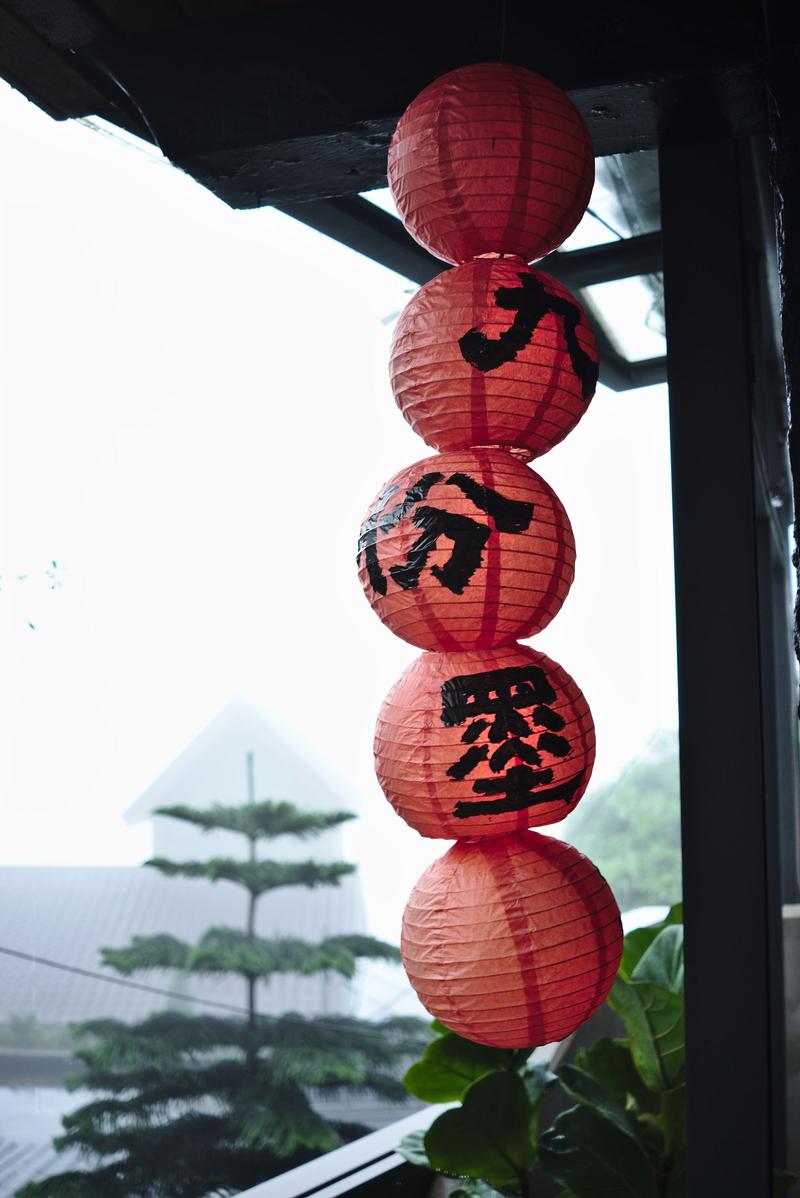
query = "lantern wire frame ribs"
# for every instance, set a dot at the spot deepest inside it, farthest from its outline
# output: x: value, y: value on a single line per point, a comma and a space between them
x: 512, y: 938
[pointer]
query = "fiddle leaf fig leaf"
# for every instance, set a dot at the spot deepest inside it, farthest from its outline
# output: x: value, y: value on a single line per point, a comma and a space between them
x: 610, y: 1063
x: 654, y: 1019
x: 672, y: 1119
x: 587, y: 1153
x: 662, y: 962
x: 583, y: 1087
x: 639, y: 940
x: 449, y: 1065
x: 488, y: 1137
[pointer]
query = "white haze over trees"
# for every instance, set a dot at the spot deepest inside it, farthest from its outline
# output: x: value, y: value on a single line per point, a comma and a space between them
x: 197, y: 414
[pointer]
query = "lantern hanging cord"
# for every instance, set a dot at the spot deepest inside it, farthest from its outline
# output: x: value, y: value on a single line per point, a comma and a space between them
x: 504, y: 13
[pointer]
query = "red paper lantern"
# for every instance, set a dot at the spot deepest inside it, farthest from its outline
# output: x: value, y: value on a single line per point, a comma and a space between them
x: 466, y: 550
x: 493, y: 353
x: 491, y: 158
x: 484, y: 743
x: 512, y: 941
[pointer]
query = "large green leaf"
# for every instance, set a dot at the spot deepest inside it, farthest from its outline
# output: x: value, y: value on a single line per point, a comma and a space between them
x: 639, y: 940
x: 488, y: 1137
x: 662, y: 962
x: 610, y: 1063
x: 449, y: 1065
x: 585, y: 1089
x: 654, y: 1019
x: 672, y: 1120
x: 591, y: 1156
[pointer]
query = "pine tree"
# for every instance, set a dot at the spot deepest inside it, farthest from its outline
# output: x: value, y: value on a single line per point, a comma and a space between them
x: 191, y: 1105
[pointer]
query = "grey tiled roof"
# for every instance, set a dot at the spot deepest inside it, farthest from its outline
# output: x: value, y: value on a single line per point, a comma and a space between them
x: 67, y: 913
x: 21, y: 1162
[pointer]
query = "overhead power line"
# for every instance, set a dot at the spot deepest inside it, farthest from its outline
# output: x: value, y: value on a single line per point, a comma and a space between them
x: 174, y: 994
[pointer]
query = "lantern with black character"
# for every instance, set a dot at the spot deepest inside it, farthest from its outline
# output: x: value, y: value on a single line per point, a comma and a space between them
x: 466, y: 550
x: 484, y: 743
x: 493, y: 353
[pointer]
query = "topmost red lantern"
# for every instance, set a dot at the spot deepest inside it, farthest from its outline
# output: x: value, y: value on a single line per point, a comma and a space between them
x: 491, y: 159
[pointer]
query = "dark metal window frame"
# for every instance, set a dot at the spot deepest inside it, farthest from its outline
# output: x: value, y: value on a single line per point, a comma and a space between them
x: 732, y: 507
x: 360, y: 224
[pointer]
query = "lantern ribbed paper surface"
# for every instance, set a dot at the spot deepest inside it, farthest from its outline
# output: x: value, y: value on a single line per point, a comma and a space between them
x: 493, y: 353
x: 512, y: 941
x: 484, y: 743
x: 466, y: 550
x: 491, y: 158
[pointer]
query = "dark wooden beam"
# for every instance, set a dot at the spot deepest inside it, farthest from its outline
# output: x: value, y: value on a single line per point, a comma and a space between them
x: 603, y: 263
x: 46, y: 76
x: 368, y: 229
x: 283, y: 102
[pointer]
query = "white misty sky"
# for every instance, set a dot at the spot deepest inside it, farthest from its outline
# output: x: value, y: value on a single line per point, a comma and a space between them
x: 197, y: 414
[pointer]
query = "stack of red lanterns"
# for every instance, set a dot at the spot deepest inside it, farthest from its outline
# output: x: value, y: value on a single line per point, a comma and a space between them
x: 512, y: 938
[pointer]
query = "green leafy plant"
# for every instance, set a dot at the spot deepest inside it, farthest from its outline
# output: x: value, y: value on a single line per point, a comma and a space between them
x: 624, y: 1135
x: 187, y: 1105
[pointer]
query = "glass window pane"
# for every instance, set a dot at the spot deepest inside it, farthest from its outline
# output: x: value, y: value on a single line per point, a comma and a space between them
x: 632, y: 313
x: 198, y: 414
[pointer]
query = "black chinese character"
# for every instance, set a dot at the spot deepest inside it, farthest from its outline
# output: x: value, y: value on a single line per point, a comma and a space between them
x: 531, y: 303
x: 491, y: 704
x: 469, y: 537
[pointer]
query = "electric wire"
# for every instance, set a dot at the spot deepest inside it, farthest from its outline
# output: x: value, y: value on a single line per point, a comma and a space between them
x: 329, y: 1024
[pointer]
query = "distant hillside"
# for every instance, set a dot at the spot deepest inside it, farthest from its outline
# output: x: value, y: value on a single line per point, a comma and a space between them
x: 631, y: 828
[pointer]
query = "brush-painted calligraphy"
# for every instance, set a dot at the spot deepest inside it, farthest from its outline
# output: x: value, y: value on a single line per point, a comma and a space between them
x: 530, y: 303
x: 468, y: 535
x: 512, y: 726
